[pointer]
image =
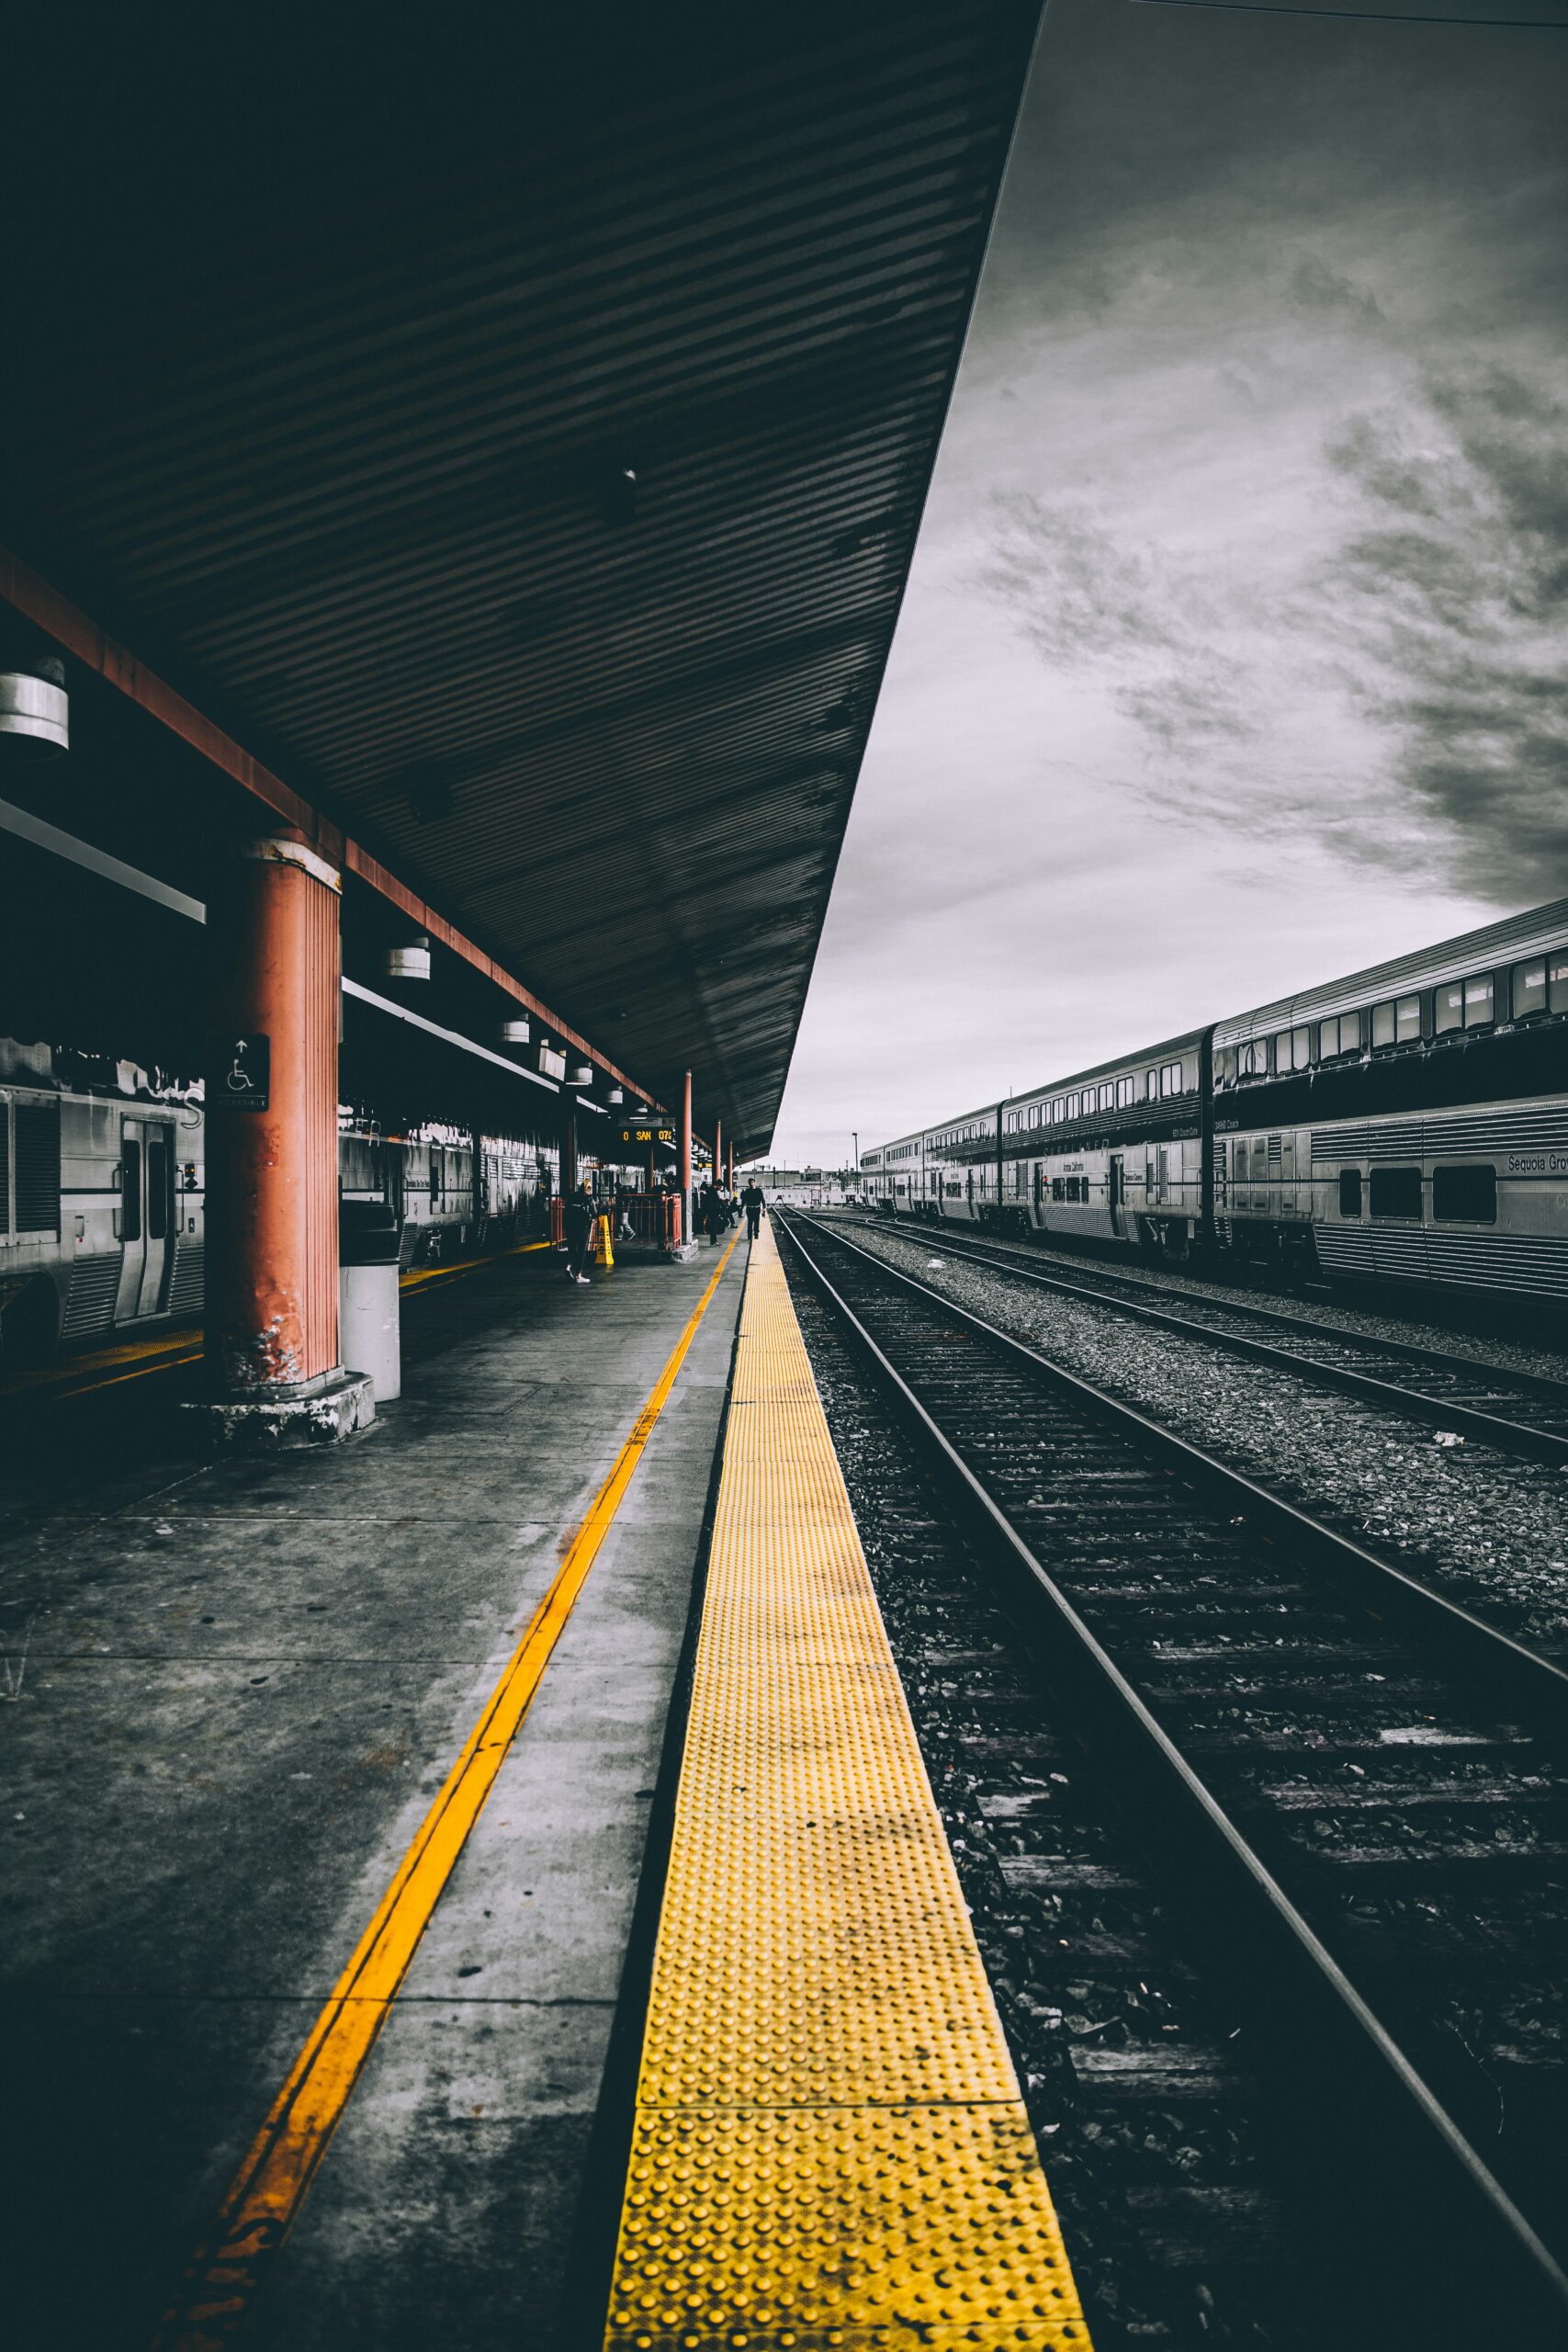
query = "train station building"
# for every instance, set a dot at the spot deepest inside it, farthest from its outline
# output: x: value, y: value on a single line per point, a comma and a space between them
x: 457, y: 494
x: 978, y: 1761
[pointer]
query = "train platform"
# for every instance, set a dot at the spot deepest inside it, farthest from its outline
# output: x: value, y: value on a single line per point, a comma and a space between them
x: 327, y: 1786
x: 404, y: 1929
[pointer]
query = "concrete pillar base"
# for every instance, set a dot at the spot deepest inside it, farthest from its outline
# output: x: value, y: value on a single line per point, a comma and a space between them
x: 325, y: 1413
x: 684, y: 1252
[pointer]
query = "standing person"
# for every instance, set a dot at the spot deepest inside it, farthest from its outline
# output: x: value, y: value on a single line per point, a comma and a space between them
x: 579, y: 1232
x: 714, y: 1217
x: 752, y: 1202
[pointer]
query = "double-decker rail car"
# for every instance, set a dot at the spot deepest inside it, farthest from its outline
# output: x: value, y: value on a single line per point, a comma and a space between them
x: 901, y: 1187
x: 1113, y: 1154
x: 958, y: 1164
x: 1408, y: 1123
x: 871, y: 1183
x: 103, y: 1194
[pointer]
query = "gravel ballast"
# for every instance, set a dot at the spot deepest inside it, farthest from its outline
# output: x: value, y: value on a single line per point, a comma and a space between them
x: 1412, y: 1331
x: 1491, y: 1531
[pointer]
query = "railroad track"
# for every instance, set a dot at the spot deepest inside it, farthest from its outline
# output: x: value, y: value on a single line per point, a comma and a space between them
x: 1520, y: 1413
x: 1355, y: 1786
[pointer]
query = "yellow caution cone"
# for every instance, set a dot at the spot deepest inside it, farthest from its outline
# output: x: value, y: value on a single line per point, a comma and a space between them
x: 603, y: 1253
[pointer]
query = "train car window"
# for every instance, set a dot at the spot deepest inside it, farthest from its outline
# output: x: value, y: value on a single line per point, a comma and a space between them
x: 1349, y: 1192
x: 1056, y: 1192
x: 130, y: 1190
x: 1396, y: 1191
x: 1448, y: 1011
x: 1124, y: 1093
x: 1382, y: 1024
x: 38, y: 1166
x: 1224, y: 1068
x: 1350, y: 1032
x: 1170, y: 1072
x: 1408, y: 1021
x: 1466, y: 1196
x: 1479, y: 1012
x: 1529, y: 992
x: 1557, y: 981
x: 157, y: 1187
x: 1107, y: 1097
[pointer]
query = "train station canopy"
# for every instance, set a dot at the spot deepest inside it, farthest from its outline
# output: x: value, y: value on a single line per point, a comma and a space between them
x: 509, y: 435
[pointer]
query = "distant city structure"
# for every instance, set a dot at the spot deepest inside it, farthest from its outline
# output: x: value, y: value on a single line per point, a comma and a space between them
x: 803, y: 1187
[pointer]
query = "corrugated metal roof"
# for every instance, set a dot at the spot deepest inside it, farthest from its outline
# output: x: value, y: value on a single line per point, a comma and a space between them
x: 332, y: 433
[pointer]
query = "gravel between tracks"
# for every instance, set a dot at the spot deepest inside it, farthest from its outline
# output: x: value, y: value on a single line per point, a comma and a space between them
x: 1362, y: 1322
x: 1492, y: 1530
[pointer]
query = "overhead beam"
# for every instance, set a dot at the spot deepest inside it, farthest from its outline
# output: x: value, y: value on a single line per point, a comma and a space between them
x: 57, y: 617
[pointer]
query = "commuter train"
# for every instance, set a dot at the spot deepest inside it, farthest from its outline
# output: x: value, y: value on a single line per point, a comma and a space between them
x: 1408, y: 1123
x: 103, y: 1188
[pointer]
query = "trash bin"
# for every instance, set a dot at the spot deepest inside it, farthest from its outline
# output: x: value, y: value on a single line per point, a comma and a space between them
x: 369, y: 1340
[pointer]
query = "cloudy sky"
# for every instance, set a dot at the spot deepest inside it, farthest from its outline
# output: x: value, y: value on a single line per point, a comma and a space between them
x: 1233, y: 654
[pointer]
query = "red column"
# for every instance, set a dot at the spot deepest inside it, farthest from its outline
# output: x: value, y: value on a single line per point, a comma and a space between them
x: 686, y: 1137
x: 719, y: 1151
x: 272, y: 1185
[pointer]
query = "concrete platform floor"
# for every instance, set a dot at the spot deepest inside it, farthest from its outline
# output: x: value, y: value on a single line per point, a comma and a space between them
x: 242, y: 1683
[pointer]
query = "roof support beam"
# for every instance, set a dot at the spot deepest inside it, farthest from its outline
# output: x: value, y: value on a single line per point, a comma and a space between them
x: 74, y: 633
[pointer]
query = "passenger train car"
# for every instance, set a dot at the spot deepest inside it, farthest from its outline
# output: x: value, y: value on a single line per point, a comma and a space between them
x: 103, y: 1193
x: 1408, y: 1123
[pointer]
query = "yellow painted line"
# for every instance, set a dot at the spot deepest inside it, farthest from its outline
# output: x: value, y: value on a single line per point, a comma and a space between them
x: 270, y: 2186
x: 828, y: 2145
x: 166, y: 1350
x: 467, y: 1265
x: 159, y: 1345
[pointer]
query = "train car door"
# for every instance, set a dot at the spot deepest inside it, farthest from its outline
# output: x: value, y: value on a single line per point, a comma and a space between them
x: 147, y: 1176
x: 1117, y: 1191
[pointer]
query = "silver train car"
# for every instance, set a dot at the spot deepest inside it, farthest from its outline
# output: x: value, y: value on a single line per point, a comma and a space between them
x: 1407, y: 1123
x: 103, y: 1197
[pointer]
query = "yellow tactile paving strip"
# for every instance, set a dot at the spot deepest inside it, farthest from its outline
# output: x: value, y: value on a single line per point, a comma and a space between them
x: 829, y: 2146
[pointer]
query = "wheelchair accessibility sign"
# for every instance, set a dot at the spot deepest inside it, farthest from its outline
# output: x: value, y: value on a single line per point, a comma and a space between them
x: 242, y: 1072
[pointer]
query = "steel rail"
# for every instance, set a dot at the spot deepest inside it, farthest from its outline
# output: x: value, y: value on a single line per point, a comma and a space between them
x: 1399, y: 2120
x: 1472, y: 1421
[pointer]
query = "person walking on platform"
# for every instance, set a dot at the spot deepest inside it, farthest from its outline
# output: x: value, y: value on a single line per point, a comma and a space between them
x: 579, y: 1232
x: 752, y: 1202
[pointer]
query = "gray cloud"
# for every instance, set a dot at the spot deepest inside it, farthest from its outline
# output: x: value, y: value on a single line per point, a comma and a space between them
x: 1233, y: 653
x: 1436, y: 619
x: 1454, y: 596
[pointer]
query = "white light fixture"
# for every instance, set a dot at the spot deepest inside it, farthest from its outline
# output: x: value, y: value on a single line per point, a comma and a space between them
x: 616, y: 1094
x: 410, y: 962
x: 515, y: 1032
x: 583, y: 1074
x: 35, y: 711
